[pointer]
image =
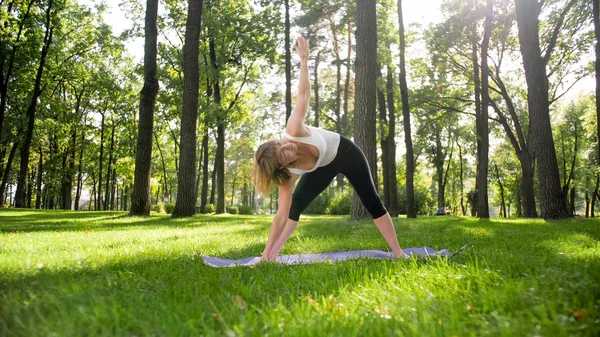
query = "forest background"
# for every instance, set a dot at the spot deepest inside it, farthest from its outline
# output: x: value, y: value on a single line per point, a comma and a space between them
x: 447, y: 111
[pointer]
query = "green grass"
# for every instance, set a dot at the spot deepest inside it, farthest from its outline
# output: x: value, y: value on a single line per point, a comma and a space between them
x: 103, y: 273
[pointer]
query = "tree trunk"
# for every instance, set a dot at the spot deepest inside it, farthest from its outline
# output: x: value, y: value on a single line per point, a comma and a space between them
x: 36, y: 92
x: 109, y: 178
x: 595, y: 196
x: 587, y: 204
x: 100, y: 204
x: 220, y: 158
x: 411, y: 209
x: 140, y: 198
x: 393, y: 210
x: 501, y: 186
x: 483, y: 210
x: 316, y: 87
x: 221, y: 120
x: 384, y: 147
x: 596, y: 10
x: 187, y: 193
x: 527, y: 186
x: 5, y: 79
x: 4, y: 183
x: 204, y: 194
x: 366, y: 99
x: 552, y: 201
x: 213, y: 180
x: 347, y: 81
x: 164, y: 168
x: 38, y: 197
x: 439, y: 172
x: 461, y: 175
x: 288, y: 63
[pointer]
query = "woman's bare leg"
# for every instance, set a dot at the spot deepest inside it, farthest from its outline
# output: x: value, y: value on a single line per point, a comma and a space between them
x: 386, y: 228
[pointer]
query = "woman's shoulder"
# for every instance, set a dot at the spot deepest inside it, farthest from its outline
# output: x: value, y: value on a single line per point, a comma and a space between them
x: 298, y: 132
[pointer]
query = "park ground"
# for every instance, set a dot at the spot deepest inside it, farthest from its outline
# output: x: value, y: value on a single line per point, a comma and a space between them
x: 106, y: 274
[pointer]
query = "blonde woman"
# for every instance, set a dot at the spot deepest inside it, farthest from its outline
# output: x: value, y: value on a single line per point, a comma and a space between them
x: 318, y: 156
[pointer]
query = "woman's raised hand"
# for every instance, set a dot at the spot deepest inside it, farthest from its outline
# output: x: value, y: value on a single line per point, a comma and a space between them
x: 302, y: 48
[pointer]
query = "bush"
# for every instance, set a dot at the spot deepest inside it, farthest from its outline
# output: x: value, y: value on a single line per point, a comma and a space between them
x: 319, y: 205
x: 158, y: 208
x: 210, y: 208
x: 341, y: 203
x: 246, y: 210
x: 232, y: 210
x: 423, y: 200
x: 169, y: 207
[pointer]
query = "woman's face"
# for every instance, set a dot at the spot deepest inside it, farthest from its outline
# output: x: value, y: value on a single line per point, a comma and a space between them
x: 286, y: 152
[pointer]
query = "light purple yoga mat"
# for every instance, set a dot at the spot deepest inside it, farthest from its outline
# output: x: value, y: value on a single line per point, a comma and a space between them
x: 314, y: 258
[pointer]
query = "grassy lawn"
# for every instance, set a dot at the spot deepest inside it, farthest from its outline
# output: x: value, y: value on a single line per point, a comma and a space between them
x: 103, y: 273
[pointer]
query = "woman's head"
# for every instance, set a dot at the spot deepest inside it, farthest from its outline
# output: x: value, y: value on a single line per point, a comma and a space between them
x: 267, y: 166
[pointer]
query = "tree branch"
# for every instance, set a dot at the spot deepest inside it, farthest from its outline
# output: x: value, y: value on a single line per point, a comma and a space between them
x: 556, y: 31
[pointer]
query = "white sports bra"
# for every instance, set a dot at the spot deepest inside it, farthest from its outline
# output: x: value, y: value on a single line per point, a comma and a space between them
x: 326, y: 142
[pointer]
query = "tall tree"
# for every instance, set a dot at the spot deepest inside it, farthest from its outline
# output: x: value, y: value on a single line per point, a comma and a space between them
x: 596, y: 10
x: 366, y: 91
x: 20, y: 201
x: 391, y: 144
x: 483, y: 141
x: 288, y: 62
x: 552, y: 203
x: 187, y: 192
x: 411, y: 209
x: 141, y: 198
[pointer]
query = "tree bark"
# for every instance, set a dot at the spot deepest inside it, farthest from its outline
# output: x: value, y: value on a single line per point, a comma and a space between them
x: 461, y: 175
x: 5, y: 79
x: 596, y: 10
x: 381, y: 103
x: 36, y: 92
x: 141, y: 198
x: 4, y: 183
x: 221, y: 120
x: 391, y: 144
x: 288, y: 63
x: 100, y: 200
x: 317, y: 109
x: 501, y: 186
x: 38, y: 197
x: 109, y: 177
x: 204, y: 194
x: 366, y: 99
x: 187, y: 193
x: 483, y: 210
x: 220, y: 158
x: 552, y: 203
x: 411, y: 209
x: 347, y: 81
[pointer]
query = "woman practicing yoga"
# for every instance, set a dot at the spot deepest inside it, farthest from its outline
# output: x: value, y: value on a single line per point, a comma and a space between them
x: 318, y: 156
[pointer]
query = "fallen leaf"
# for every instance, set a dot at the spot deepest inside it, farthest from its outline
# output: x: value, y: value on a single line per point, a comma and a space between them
x: 580, y: 314
x: 217, y: 317
x: 239, y: 302
x: 246, y: 223
x: 469, y: 307
x: 11, y: 234
x: 39, y: 265
x: 85, y: 233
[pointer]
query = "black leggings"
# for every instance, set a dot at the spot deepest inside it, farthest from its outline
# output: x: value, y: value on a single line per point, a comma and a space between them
x: 349, y: 161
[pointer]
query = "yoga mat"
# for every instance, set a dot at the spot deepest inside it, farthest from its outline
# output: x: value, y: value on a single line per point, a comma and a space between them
x: 323, y: 257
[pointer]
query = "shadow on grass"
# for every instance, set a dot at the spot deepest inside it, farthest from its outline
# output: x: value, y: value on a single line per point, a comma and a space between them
x: 18, y: 220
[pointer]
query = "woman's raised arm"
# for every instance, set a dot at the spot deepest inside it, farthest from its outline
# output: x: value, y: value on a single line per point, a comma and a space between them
x: 295, y: 124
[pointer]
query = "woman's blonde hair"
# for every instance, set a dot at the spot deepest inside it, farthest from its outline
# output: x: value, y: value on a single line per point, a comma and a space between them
x: 267, y: 168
